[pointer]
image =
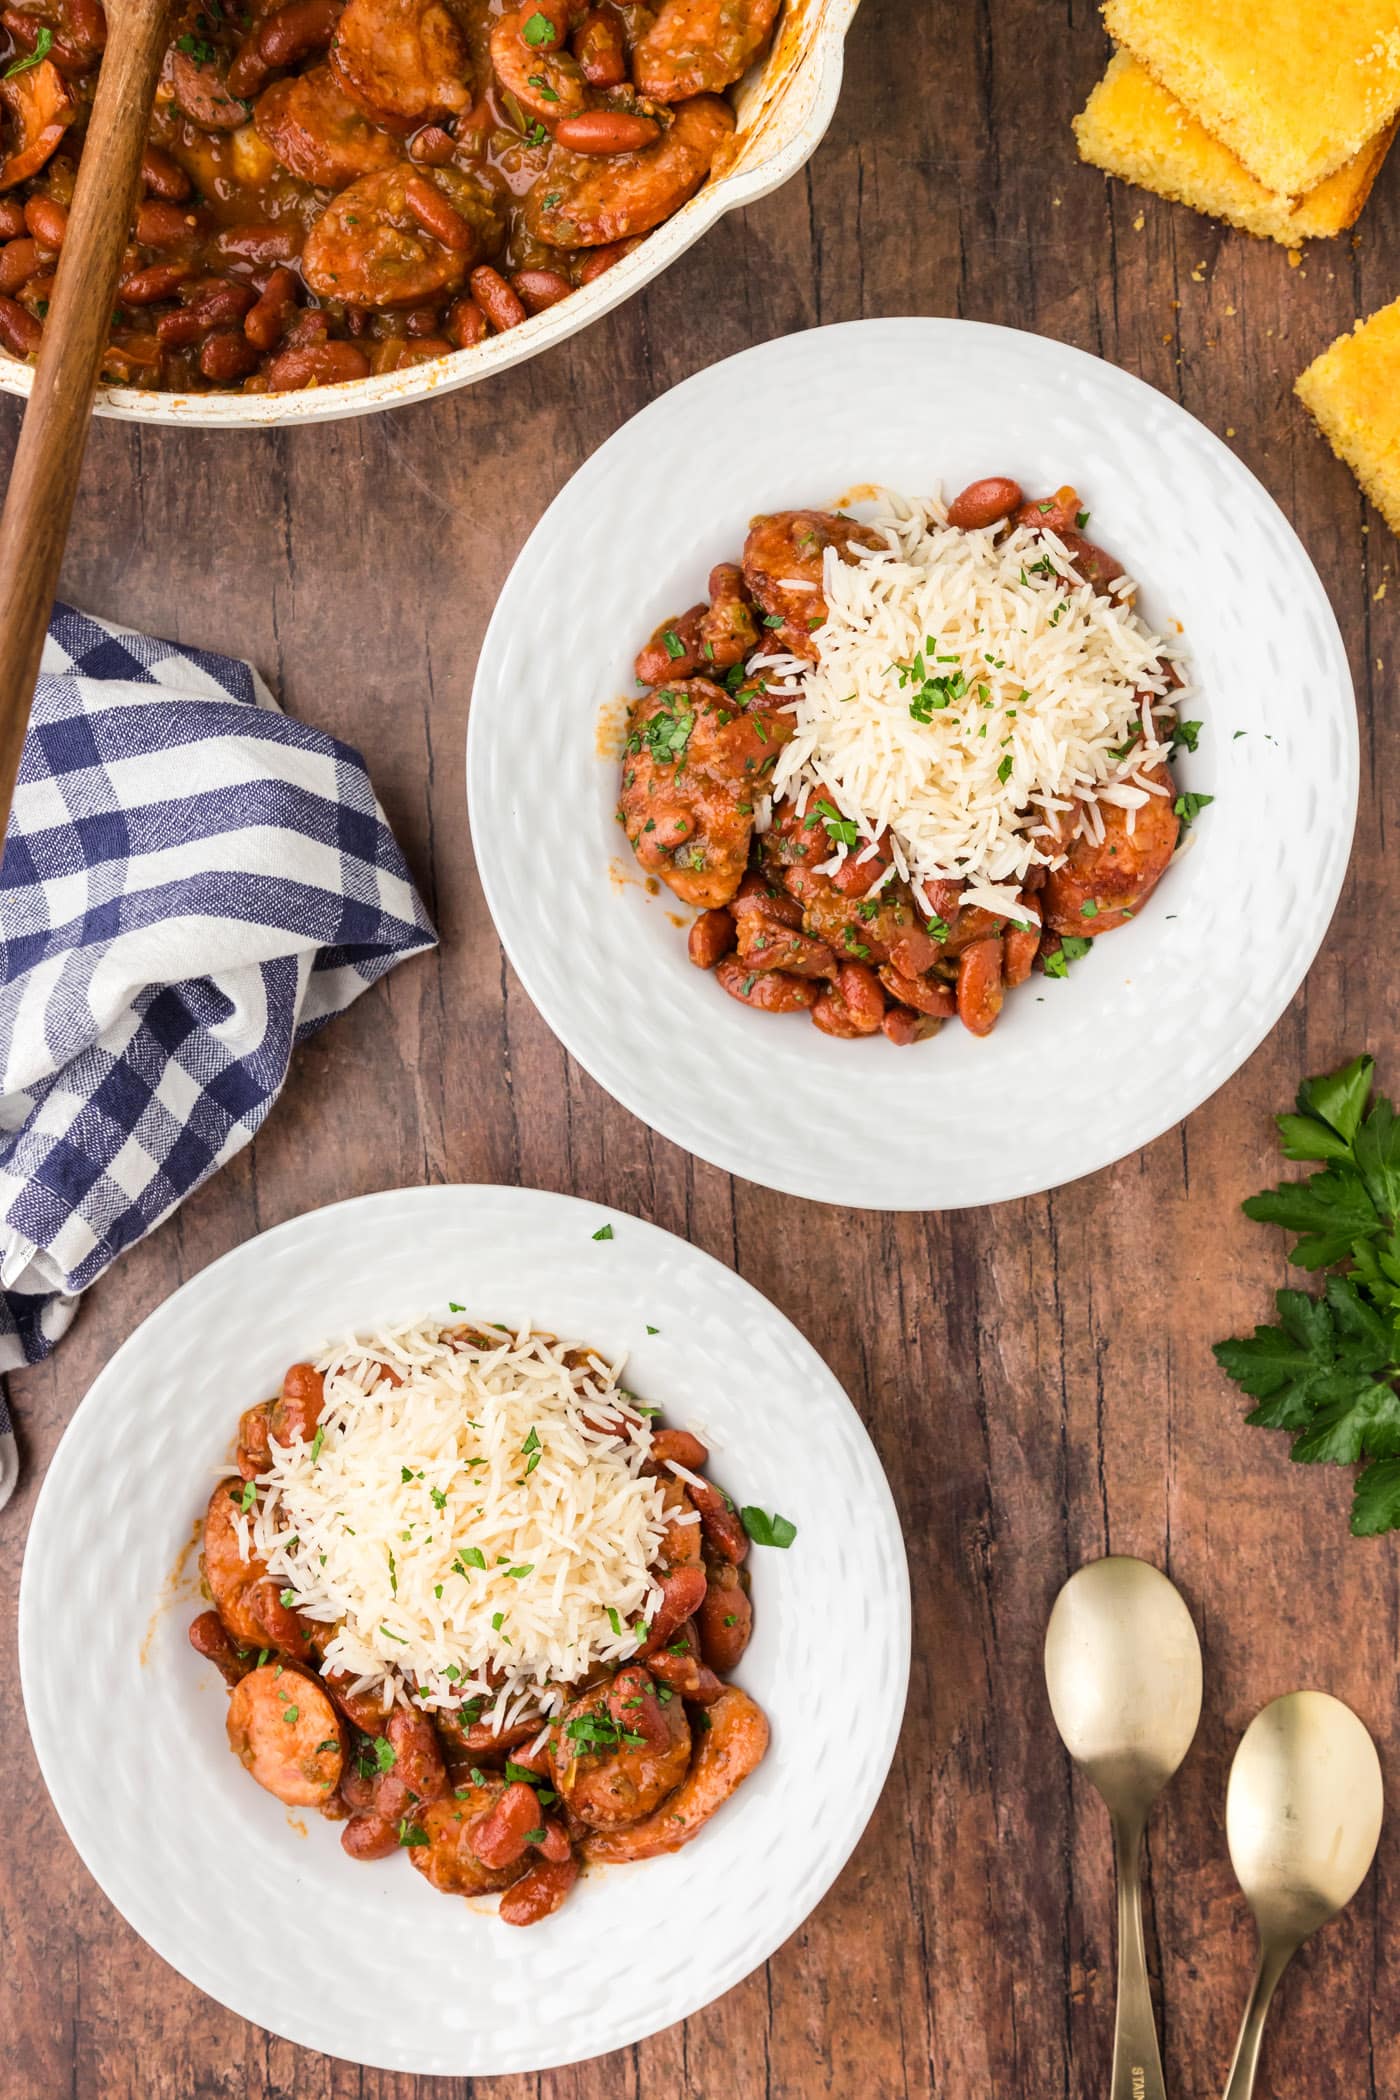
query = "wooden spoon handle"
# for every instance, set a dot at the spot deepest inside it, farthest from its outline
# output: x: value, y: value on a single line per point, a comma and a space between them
x: 44, y: 478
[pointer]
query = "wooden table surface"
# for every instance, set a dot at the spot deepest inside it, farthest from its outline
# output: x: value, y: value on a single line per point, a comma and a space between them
x: 1037, y: 1376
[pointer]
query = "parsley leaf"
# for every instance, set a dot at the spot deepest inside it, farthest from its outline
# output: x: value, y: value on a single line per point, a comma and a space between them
x: 765, y: 1530
x: 1329, y: 1371
x: 43, y: 44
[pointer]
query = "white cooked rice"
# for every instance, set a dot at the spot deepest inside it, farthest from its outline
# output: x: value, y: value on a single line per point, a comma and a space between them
x: 1055, y: 674
x: 536, y: 1479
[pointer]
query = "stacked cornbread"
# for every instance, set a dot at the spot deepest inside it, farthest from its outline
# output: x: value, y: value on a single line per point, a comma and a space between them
x: 1273, y: 114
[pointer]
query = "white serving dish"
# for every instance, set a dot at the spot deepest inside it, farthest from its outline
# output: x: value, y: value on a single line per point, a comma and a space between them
x: 258, y: 1904
x: 1078, y: 1072
x: 783, y: 107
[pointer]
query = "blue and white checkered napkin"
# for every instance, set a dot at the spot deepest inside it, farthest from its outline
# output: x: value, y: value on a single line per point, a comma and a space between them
x: 192, y: 884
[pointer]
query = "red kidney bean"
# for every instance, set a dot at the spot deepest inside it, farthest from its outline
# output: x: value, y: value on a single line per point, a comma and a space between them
x: 260, y: 245
x: 980, y: 986
x: 19, y: 260
x: 265, y: 321
x: 539, y: 1892
x: 926, y: 995
x: 47, y: 220
x: 771, y: 991
x: 724, y: 1621
x: 437, y: 217
x: 903, y: 1027
x: 606, y: 131
x: 682, y: 1593
x: 1018, y: 950
x: 537, y: 289
x: 680, y: 1445
x: 985, y: 502
x: 317, y: 364
x: 156, y: 281
x: 600, y: 259
x: 431, y: 147
x: 467, y: 325
x: 227, y: 355
x: 501, y: 306
x: 417, y: 353
x: 210, y: 1638
x: 498, y: 1838
x: 710, y: 938
x: 19, y: 331
x: 369, y: 1836
x: 600, y: 51
x: 164, y: 177
x: 163, y: 225
x: 11, y: 218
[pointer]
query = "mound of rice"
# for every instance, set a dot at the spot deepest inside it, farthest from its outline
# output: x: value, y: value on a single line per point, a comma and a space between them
x: 974, y: 698
x: 480, y: 1530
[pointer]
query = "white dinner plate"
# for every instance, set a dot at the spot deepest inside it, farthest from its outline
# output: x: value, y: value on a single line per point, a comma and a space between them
x: 368, y: 1961
x: 1078, y: 1072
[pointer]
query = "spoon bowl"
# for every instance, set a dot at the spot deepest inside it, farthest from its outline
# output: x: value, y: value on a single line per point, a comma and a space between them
x: 1123, y: 1670
x: 1303, y: 1819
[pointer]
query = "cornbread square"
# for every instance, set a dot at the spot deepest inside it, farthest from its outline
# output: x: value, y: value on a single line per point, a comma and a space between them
x: 1293, y: 87
x: 1353, y: 390
x: 1134, y: 129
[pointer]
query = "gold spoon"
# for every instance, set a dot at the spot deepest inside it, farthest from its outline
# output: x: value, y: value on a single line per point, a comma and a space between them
x: 1123, y: 1669
x: 1303, y: 1817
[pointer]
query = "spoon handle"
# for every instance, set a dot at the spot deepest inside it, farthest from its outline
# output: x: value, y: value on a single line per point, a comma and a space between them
x: 1137, y: 2063
x: 44, y: 477
x: 1273, y: 1960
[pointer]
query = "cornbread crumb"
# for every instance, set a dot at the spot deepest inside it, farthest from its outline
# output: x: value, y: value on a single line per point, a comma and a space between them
x: 1353, y: 391
x: 1134, y: 129
x: 1294, y: 89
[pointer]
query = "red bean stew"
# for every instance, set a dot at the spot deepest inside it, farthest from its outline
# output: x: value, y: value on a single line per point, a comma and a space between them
x: 334, y: 188
x: 633, y: 1765
x: 778, y: 933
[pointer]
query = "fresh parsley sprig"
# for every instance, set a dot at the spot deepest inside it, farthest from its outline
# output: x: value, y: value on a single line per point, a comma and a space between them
x: 1329, y: 1372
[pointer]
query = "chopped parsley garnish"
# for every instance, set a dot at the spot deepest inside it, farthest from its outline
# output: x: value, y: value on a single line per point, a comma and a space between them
x: 765, y: 1530
x: 248, y: 1497
x: 542, y: 88
x: 1183, y: 737
x: 665, y: 736
x: 43, y: 44
x: 1073, y: 948
x: 604, y: 1232
x: 1189, y: 806
x: 675, y: 647
x: 538, y: 30
x: 316, y: 1443
x: 411, y: 1833
x: 385, y: 1755
x: 193, y: 47
x: 1089, y: 910
x: 840, y: 830
x: 1004, y: 769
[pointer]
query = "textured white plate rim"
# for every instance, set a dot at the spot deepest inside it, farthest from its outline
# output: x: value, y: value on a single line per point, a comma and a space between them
x: 929, y: 335
x: 141, y: 1907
